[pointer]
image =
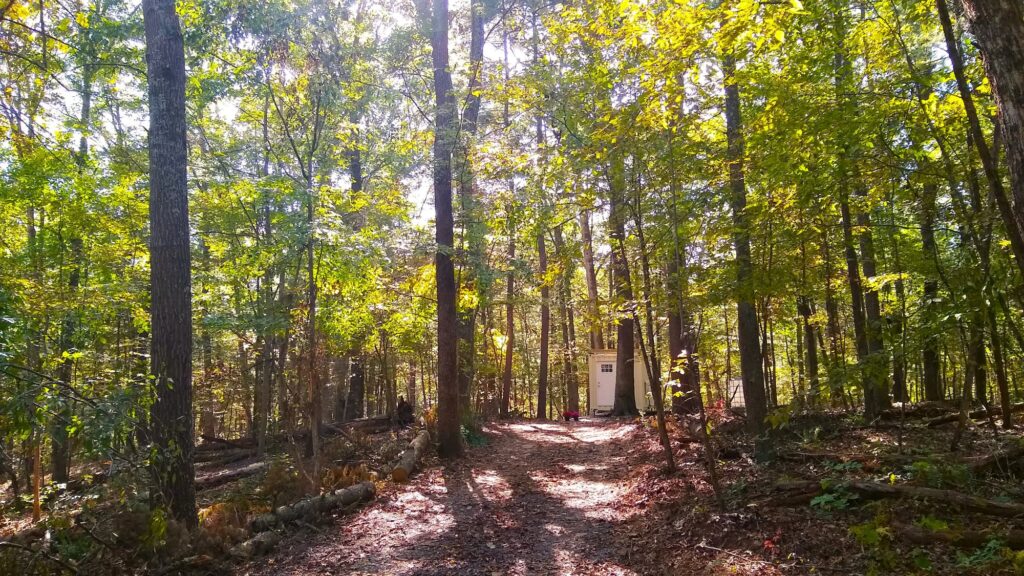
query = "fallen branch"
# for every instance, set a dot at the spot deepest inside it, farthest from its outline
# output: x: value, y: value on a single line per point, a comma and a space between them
x: 407, y: 461
x: 310, y: 508
x: 1001, y: 462
x: 973, y: 415
x: 211, y: 459
x: 40, y: 554
x: 368, y: 425
x: 965, y: 501
x: 1013, y: 539
x: 220, y: 478
x: 798, y: 492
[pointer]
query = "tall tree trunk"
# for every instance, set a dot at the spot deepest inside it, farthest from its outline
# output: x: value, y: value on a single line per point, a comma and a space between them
x: 596, y: 334
x: 545, y: 328
x: 472, y: 222
x: 998, y: 25
x: 510, y: 325
x: 448, y: 428
x: 1000, y: 367
x: 877, y: 361
x: 750, y: 355
x: 930, y: 295
x: 341, y: 379
x: 625, y: 393
x: 572, y: 388
x: 61, y: 446
x: 998, y: 28
x: 354, y: 401
x: 170, y: 265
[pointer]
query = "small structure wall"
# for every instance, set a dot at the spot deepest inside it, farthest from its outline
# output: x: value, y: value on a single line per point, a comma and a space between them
x: 602, y: 383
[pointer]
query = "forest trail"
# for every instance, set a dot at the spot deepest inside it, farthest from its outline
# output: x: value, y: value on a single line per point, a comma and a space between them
x: 538, y: 498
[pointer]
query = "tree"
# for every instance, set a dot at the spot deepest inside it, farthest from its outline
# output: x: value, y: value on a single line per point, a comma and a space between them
x: 998, y: 26
x: 448, y: 427
x: 170, y: 265
x: 750, y: 355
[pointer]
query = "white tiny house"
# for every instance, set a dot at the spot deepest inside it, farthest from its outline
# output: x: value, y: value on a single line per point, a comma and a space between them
x: 602, y: 381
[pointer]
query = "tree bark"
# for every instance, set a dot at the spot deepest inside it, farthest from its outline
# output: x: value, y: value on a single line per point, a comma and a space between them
x: 625, y: 394
x: 750, y: 354
x: 448, y: 428
x: 545, y: 328
x: 61, y: 446
x: 998, y: 28
x: 930, y: 296
x: 596, y: 334
x: 170, y: 265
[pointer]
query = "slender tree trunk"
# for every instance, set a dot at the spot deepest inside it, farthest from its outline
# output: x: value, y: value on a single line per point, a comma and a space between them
x: 750, y: 355
x: 448, y: 429
x: 1000, y: 367
x: 170, y: 265
x: 930, y: 295
x: 472, y: 222
x: 61, y: 445
x: 596, y: 334
x: 572, y: 389
x: 545, y: 328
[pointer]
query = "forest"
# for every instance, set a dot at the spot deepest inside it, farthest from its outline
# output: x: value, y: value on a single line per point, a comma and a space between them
x: 511, y: 287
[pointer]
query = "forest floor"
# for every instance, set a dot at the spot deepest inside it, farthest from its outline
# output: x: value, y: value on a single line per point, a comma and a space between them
x: 593, y: 498
x: 536, y: 498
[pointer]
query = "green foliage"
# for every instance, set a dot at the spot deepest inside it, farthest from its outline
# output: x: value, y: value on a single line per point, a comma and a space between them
x: 834, y: 499
x: 940, y: 474
x: 990, y: 553
x: 473, y: 435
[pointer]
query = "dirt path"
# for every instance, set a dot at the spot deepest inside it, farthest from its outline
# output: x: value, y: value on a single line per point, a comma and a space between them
x: 539, y: 498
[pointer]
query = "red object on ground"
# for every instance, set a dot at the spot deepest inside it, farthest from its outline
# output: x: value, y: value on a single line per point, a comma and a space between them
x: 571, y: 415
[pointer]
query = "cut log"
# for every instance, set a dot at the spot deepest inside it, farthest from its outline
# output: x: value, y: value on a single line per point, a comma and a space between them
x: 1013, y: 539
x: 258, y: 545
x: 407, y: 462
x: 308, y: 509
x: 221, y: 478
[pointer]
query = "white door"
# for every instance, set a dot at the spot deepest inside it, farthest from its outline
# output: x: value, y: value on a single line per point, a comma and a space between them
x: 605, y: 383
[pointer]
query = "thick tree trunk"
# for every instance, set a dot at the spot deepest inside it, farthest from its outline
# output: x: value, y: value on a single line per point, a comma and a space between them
x: 625, y: 394
x: 170, y: 265
x: 998, y: 28
x: 448, y: 427
x: 877, y: 362
x: 750, y: 354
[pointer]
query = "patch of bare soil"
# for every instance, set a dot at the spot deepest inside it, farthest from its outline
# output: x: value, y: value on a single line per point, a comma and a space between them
x: 538, y: 498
